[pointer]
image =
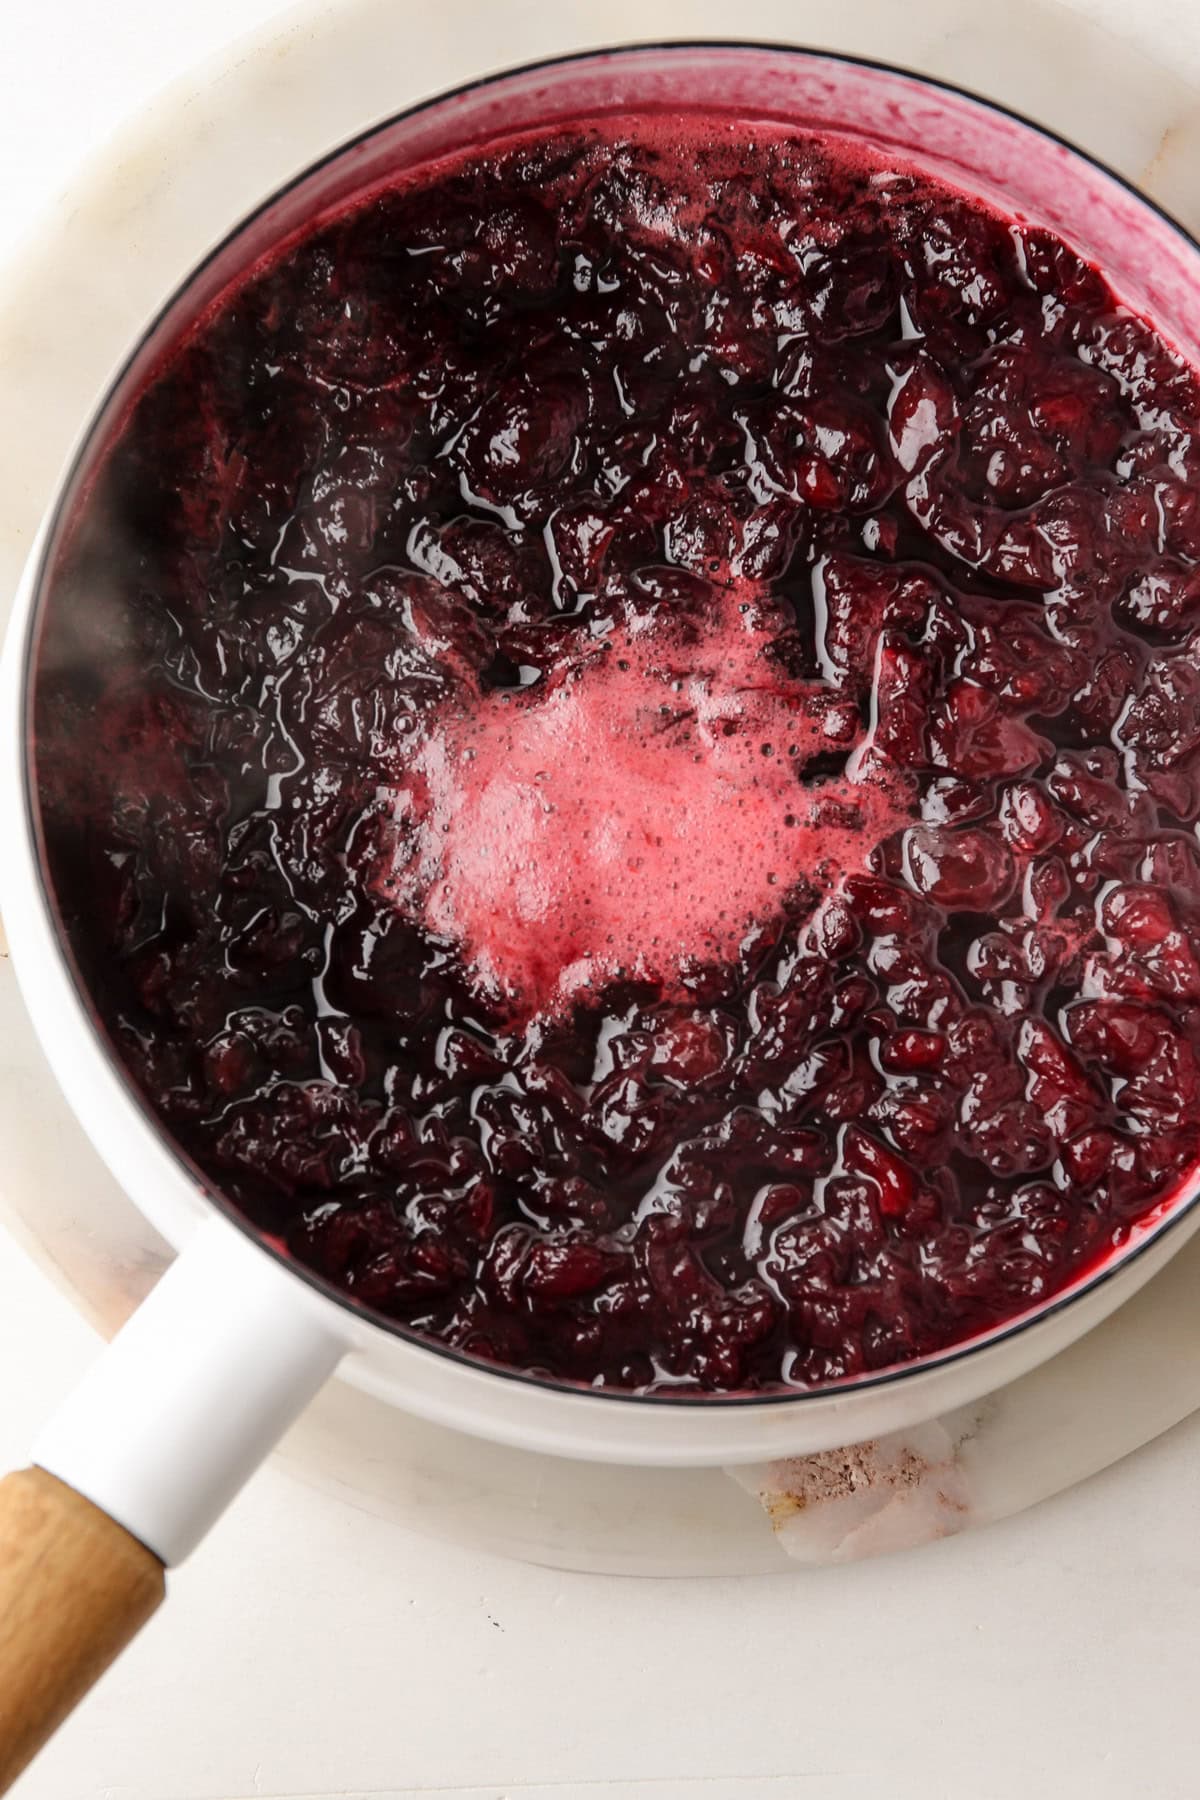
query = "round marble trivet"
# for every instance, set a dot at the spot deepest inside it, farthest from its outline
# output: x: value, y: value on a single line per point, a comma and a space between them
x: 134, y: 222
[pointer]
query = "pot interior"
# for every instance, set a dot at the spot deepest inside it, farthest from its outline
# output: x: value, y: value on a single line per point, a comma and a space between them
x: 83, y: 616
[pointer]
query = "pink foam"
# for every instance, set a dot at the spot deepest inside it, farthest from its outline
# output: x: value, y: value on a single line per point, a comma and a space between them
x: 640, y: 812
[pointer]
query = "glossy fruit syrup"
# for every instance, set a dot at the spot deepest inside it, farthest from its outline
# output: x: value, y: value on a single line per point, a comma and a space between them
x: 619, y: 745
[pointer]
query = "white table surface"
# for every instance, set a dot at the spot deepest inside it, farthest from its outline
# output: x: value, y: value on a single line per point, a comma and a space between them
x: 313, y: 1651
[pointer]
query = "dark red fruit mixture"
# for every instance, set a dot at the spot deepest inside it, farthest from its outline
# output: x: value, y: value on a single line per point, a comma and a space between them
x: 619, y: 741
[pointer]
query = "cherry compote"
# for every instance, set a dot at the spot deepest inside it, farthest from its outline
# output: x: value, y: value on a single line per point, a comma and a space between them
x: 618, y: 739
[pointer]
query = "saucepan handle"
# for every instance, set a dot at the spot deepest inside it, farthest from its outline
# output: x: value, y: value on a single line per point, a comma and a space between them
x: 74, y: 1588
x: 139, y: 1462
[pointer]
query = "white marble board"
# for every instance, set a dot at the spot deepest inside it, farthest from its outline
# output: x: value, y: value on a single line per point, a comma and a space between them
x: 134, y: 221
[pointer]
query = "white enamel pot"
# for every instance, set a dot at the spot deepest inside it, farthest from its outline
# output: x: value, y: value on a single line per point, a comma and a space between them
x: 200, y: 1383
